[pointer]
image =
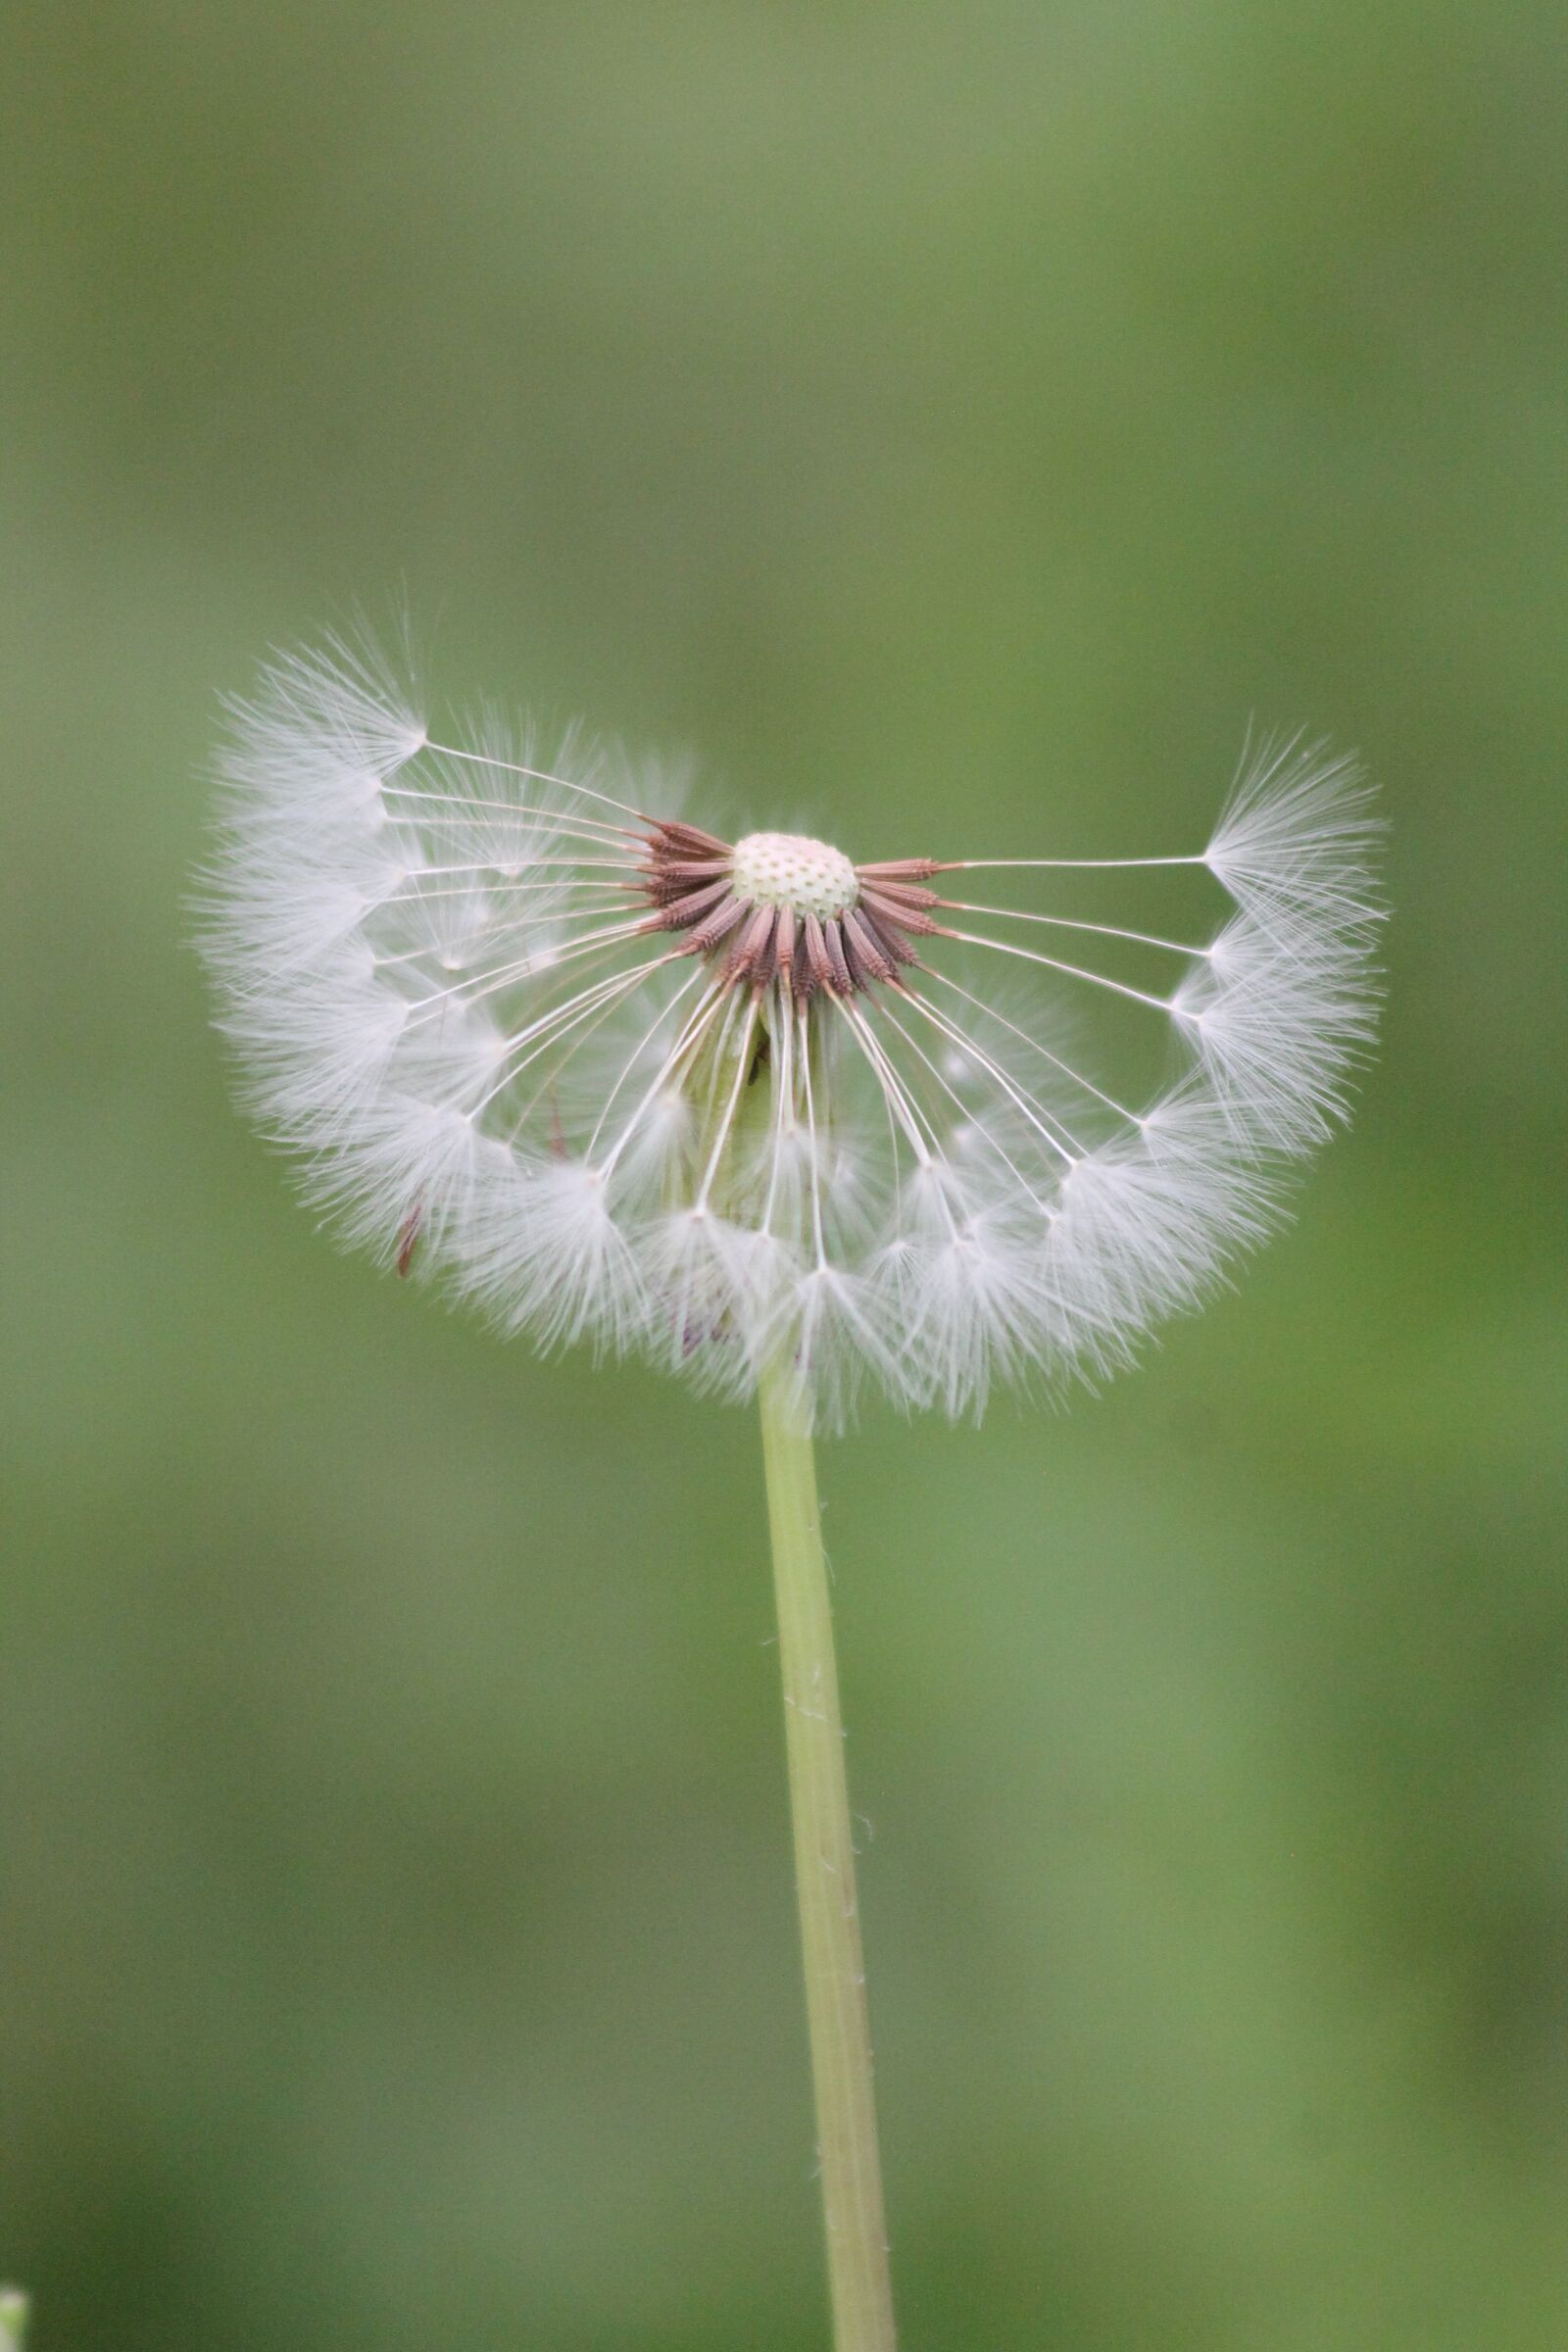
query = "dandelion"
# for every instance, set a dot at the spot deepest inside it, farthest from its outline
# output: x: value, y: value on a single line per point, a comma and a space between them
x: 779, y: 1119
x: 747, y: 1104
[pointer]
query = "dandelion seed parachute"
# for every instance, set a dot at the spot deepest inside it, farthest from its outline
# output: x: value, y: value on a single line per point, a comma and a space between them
x: 625, y: 1082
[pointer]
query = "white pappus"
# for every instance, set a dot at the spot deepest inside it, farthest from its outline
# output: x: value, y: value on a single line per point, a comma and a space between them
x: 734, y: 1104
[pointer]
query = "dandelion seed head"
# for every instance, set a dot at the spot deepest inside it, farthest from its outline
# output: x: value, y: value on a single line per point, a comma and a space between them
x: 531, y: 1030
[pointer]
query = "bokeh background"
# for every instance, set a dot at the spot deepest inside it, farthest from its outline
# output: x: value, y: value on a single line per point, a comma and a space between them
x: 939, y: 418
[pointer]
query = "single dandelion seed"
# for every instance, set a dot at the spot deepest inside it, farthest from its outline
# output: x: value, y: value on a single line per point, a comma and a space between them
x: 784, y: 1121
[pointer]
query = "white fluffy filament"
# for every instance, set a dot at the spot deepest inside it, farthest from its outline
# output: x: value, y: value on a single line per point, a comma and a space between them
x: 457, y: 988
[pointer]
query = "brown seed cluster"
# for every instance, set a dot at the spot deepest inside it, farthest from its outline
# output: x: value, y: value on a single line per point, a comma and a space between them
x: 690, y: 877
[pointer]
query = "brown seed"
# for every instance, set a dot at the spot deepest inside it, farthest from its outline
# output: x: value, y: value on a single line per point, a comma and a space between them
x: 753, y: 951
x: 716, y: 926
x: 693, y: 904
x: 901, y: 895
x: 689, y: 841
x: 888, y: 933
x: 817, y: 971
x: 870, y: 959
x: 408, y: 1240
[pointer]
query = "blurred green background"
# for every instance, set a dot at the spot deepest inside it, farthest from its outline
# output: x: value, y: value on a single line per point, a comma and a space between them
x: 939, y: 418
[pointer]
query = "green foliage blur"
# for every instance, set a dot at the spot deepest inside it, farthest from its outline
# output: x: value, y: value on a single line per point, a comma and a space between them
x: 953, y: 423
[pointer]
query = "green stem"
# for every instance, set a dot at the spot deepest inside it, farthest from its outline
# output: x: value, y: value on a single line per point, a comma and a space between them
x: 824, y: 1876
x: 13, y: 2319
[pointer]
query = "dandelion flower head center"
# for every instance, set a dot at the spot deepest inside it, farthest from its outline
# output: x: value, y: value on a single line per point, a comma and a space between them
x: 791, y: 869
